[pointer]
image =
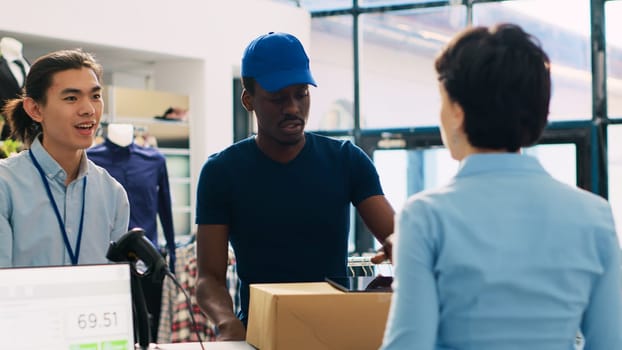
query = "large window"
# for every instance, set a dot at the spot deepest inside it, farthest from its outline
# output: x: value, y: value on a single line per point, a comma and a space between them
x: 373, y: 60
x: 398, y: 84
x: 614, y: 59
x: 331, y: 61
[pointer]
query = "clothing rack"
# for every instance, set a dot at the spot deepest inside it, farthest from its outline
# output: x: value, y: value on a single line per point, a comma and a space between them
x: 362, y: 266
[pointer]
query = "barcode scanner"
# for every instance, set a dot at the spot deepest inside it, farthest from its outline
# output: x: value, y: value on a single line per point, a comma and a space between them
x: 134, y: 247
x: 145, y: 261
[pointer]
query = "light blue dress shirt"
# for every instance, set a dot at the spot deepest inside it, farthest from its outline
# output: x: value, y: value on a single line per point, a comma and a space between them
x: 30, y: 234
x: 505, y: 257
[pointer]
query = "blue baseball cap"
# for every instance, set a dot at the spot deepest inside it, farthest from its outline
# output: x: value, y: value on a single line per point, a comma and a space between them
x: 276, y: 60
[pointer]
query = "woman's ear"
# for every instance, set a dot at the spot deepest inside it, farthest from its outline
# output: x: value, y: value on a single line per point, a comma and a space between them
x: 247, y: 100
x: 33, y: 109
x: 457, y: 114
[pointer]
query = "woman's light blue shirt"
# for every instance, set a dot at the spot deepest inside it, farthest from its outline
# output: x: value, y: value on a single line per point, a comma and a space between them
x: 30, y: 234
x: 505, y: 257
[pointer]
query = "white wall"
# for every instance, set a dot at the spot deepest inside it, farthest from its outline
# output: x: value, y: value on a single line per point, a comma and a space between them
x: 206, y: 38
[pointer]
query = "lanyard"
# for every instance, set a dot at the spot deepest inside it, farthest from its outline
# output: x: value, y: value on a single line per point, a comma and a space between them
x: 61, y: 223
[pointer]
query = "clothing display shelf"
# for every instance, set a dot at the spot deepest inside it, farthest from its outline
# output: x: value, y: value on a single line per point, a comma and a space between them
x: 147, y: 111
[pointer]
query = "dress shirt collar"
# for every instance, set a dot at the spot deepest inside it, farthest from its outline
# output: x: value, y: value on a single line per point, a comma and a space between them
x: 51, y: 168
x: 113, y: 147
x: 495, y: 162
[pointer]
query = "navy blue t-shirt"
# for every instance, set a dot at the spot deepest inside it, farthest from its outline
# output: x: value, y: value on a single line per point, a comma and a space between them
x: 287, y: 222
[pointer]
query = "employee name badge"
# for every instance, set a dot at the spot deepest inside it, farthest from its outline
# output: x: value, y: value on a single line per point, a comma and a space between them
x: 85, y: 307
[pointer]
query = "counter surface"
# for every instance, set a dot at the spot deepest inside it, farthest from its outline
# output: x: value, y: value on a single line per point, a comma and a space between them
x: 225, y: 345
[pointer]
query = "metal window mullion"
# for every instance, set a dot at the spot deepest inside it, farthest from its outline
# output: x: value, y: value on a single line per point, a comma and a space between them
x: 599, y: 99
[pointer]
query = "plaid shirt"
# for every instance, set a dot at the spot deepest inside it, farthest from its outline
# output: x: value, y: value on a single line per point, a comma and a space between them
x: 175, y: 322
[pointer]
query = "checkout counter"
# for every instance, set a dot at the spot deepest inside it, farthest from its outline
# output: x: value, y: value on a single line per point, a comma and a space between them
x: 225, y: 345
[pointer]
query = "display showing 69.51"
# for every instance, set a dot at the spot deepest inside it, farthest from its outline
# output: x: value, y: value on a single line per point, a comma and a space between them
x: 97, y: 320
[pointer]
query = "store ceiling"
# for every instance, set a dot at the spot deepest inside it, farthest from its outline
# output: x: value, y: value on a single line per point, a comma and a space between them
x: 114, y: 59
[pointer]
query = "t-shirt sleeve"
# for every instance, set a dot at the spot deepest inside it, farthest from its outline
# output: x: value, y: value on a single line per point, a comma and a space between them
x: 363, y: 175
x: 213, y: 194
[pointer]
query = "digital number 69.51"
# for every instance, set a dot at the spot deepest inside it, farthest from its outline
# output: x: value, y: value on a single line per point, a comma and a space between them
x: 97, y: 320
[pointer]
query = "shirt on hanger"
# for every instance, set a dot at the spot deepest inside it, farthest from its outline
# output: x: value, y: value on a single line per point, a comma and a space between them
x: 175, y: 325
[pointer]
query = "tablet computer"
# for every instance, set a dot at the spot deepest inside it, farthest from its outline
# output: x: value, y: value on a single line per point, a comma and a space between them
x: 362, y: 283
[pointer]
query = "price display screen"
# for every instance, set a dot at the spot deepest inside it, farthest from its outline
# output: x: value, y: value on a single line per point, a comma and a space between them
x: 86, y: 307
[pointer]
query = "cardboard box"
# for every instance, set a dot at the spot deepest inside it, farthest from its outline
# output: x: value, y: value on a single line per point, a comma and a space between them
x: 286, y: 316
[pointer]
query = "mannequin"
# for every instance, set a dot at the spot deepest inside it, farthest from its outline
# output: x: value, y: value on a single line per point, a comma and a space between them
x: 121, y: 134
x: 12, y: 74
x: 11, y: 50
x: 143, y: 174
